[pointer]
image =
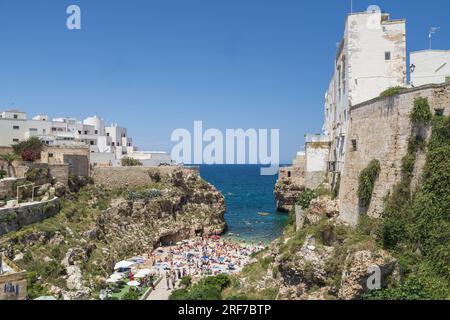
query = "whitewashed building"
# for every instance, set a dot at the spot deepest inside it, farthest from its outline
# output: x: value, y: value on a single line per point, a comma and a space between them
x: 429, y: 67
x: 108, y: 144
x: 371, y: 58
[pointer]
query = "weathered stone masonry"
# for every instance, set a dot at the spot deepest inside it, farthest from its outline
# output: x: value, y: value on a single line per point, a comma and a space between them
x: 380, y: 129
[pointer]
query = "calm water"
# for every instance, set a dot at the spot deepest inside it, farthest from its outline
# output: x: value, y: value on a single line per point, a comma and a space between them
x: 247, y: 193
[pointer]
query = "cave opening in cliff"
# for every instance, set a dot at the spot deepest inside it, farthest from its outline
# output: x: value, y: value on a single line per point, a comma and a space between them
x: 169, y: 240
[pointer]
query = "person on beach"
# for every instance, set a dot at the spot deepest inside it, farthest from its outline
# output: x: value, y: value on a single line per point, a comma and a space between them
x: 173, y: 280
x: 167, y: 281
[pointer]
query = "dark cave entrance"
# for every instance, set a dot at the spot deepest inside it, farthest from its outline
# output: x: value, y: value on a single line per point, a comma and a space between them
x: 169, y: 240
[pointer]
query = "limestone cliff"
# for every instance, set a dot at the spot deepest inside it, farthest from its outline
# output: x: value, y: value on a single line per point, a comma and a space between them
x: 326, y: 259
x: 71, y: 254
x: 289, y: 185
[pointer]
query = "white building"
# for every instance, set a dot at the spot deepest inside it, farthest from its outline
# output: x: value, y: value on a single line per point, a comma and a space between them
x: 429, y: 67
x: 108, y: 144
x: 371, y: 58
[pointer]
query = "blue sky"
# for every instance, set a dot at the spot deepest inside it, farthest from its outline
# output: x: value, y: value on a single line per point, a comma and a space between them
x: 157, y: 65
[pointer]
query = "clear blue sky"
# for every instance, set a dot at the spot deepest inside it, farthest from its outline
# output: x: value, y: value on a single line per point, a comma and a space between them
x: 157, y: 65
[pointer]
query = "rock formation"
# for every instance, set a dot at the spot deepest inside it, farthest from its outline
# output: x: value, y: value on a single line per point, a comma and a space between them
x: 71, y: 254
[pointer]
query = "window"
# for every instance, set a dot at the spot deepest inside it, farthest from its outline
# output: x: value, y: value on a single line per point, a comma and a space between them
x: 16, y: 127
x: 113, y: 144
x: 289, y: 174
x: 96, y: 131
x: 354, y: 145
x: 107, y: 134
x: 33, y: 130
x: 50, y: 155
x: 79, y: 131
x: 85, y: 132
x: 15, y: 140
x: 447, y: 79
x: 92, y: 143
x: 439, y: 112
x: 387, y: 55
x: 15, y: 116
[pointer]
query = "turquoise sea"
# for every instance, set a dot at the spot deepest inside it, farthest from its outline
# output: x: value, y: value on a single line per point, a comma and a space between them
x: 246, y: 194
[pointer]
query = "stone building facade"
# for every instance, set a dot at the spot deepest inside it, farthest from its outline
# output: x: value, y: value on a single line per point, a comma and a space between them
x: 370, y: 59
x: 379, y: 129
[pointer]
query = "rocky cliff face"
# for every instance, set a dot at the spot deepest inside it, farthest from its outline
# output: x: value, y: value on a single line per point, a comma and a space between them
x: 70, y: 255
x: 144, y: 219
x: 286, y: 194
x: 325, y: 260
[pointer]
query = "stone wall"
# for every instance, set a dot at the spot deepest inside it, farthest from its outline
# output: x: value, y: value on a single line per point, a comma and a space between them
x: 77, y: 157
x: 58, y: 172
x: 17, y: 278
x: 129, y: 177
x: 13, y: 219
x: 380, y: 129
x: 316, y: 163
x: 6, y: 187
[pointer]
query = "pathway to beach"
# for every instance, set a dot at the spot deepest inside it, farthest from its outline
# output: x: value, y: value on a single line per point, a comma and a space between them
x: 160, y: 292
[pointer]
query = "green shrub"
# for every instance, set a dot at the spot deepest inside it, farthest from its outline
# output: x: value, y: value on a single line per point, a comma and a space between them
x: 393, y: 91
x: 417, y: 225
x: 412, y: 289
x: 26, y: 188
x: 130, y: 162
x: 209, y: 288
x: 421, y: 111
x: 305, y: 198
x: 3, y: 173
x: 416, y: 143
x: 186, y: 281
x: 408, y: 164
x: 37, y: 174
x: 29, y: 150
x: 143, y: 195
x: 132, y: 294
x: 367, y: 180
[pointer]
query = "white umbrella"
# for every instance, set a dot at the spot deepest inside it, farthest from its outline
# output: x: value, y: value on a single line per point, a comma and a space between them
x: 123, y: 265
x: 133, y: 283
x: 116, y: 276
x: 142, y: 273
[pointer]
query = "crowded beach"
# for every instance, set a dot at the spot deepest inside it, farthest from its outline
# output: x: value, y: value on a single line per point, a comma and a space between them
x: 196, y: 258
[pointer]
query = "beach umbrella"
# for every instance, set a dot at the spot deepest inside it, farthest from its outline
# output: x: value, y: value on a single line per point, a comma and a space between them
x: 142, y: 273
x: 133, y: 283
x: 138, y: 260
x: 112, y: 280
x: 123, y: 265
x: 117, y: 276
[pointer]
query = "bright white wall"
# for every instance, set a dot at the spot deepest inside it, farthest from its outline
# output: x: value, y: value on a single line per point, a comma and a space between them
x: 431, y: 66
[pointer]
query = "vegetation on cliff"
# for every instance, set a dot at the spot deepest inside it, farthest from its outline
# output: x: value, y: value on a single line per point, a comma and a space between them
x: 416, y: 223
x: 209, y: 288
x: 71, y: 254
x: 367, y: 180
x: 390, y: 92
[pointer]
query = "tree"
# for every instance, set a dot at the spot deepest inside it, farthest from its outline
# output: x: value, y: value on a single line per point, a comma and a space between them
x: 9, y: 158
x: 29, y: 150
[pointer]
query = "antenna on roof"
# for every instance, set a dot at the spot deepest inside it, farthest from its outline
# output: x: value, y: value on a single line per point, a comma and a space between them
x: 431, y: 32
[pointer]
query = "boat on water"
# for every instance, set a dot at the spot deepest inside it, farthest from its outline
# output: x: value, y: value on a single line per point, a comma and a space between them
x: 263, y: 214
